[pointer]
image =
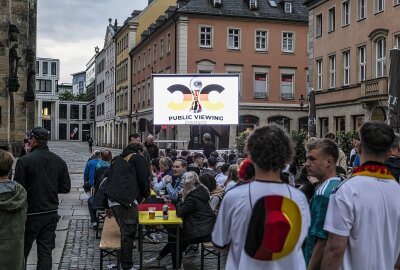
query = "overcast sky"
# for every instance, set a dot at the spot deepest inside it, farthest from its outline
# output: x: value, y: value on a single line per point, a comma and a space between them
x: 69, y: 30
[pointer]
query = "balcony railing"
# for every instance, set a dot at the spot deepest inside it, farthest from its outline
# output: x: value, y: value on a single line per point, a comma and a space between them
x: 374, y: 87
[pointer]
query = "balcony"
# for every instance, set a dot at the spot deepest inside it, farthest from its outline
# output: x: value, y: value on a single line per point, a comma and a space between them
x: 374, y: 87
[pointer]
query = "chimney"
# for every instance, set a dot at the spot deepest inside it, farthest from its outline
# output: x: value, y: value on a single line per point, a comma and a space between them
x: 109, y: 21
x: 115, y: 24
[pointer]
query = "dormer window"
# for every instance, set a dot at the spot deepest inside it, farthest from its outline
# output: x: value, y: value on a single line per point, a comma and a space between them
x: 288, y: 7
x: 253, y: 4
x: 217, y: 3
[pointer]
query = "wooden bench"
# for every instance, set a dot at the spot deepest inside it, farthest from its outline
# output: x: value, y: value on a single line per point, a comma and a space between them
x: 207, y: 249
x: 110, y: 243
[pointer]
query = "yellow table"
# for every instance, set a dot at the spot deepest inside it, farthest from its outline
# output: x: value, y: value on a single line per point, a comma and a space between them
x: 173, y: 220
x: 153, y: 193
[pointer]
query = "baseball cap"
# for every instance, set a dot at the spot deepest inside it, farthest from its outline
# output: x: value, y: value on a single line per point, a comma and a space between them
x: 277, y: 219
x: 39, y: 133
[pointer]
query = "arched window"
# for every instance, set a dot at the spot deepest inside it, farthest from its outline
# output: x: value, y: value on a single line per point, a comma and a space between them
x: 247, y: 122
x: 380, y: 57
x: 281, y: 120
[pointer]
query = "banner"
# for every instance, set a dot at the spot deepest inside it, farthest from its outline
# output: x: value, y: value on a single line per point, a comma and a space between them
x: 196, y: 99
x: 394, y: 89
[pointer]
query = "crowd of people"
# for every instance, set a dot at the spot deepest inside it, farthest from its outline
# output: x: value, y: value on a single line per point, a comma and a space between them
x: 338, y: 213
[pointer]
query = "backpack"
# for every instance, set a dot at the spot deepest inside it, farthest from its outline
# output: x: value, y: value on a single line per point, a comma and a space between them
x: 122, y: 186
x: 99, y: 194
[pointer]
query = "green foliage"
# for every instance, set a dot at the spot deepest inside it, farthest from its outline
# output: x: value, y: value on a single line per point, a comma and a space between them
x: 240, y: 142
x: 68, y: 96
x: 299, y: 138
x: 344, y: 140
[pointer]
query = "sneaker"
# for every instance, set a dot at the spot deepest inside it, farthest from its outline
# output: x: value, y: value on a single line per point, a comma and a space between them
x: 93, y: 225
x: 191, y: 251
x: 151, y: 238
x: 155, y: 260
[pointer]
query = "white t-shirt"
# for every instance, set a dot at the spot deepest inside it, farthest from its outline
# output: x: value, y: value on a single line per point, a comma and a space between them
x: 232, y: 222
x: 367, y: 211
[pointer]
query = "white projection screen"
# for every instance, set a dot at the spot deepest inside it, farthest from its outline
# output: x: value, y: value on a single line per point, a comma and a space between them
x: 209, y: 99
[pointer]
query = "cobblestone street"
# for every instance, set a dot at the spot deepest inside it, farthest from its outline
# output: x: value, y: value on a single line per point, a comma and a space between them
x: 76, y: 244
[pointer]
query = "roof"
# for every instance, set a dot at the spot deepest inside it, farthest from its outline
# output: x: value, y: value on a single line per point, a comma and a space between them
x: 240, y: 8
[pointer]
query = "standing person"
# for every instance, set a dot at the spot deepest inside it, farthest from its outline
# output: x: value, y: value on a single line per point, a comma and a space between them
x: 152, y: 149
x: 12, y: 217
x: 137, y: 140
x: 242, y: 216
x: 209, y: 147
x: 342, y: 160
x: 363, y: 213
x: 393, y: 161
x: 90, y: 142
x: 44, y: 175
x: 128, y: 185
x: 88, y: 181
x: 321, y: 163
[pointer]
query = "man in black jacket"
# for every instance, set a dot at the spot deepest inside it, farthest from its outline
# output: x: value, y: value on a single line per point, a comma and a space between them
x: 209, y: 147
x: 122, y: 204
x: 44, y: 175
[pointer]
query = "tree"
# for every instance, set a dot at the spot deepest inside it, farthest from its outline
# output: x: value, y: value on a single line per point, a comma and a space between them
x: 67, y: 96
x: 299, y: 139
x: 81, y: 97
x: 240, y: 142
x: 344, y: 141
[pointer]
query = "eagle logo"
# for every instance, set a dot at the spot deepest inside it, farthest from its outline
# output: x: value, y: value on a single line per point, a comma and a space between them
x: 196, y: 97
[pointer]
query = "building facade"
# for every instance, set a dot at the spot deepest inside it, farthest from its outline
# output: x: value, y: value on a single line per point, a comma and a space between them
x: 17, y: 71
x: 79, y: 83
x: 349, y: 45
x: 75, y: 120
x: 263, y: 41
x: 47, y: 101
x: 100, y: 98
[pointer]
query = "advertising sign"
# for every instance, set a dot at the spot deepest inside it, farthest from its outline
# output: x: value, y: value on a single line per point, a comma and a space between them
x: 196, y: 99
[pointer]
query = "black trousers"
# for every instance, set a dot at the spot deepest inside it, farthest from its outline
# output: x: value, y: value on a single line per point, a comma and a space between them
x: 41, y: 228
x: 127, y: 219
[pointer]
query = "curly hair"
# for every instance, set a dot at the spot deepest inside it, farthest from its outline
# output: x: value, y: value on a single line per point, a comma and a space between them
x: 270, y: 147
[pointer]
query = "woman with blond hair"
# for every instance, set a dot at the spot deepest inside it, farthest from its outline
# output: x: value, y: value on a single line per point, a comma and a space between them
x: 165, y: 165
x: 198, y: 217
x: 233, y: 178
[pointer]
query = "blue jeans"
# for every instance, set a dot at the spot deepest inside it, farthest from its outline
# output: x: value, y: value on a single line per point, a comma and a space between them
x: 92, y: 212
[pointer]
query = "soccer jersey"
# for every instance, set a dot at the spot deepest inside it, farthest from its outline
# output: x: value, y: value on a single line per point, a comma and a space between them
x: 233, y: 218
x: 366, y: 209
x: 318, y: 207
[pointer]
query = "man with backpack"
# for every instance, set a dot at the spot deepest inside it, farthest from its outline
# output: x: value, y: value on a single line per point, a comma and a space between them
x: 128, y: 184
x: 263, y: 223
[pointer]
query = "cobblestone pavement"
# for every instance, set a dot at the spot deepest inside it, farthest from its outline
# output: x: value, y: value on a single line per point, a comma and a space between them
x: 76, y: 244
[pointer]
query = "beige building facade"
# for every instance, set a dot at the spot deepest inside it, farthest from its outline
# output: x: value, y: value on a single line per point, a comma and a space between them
x: 268, y: 54
x: 349, y: 48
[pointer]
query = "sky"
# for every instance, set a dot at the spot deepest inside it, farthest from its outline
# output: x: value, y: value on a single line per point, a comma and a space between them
x: 69, y: 30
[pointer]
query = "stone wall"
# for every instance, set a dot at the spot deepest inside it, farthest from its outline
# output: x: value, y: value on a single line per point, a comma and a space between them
x: 17, y: 108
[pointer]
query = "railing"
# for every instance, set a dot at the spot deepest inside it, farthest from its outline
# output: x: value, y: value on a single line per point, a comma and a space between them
x: 374, y: 87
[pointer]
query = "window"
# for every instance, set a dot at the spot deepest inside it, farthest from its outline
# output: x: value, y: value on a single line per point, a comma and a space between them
x: 288, y: 7
x: 74, y: 114
x: 362, y: 63
x: 234, y: 39
x: 134, y: 66
x: 332, y: 71
x: 53, y: 68
x: 287, y: 86
x: 318, y: 25
x: 161, y: 48
x: 380, y: 45
x: 324, y: 126
x: 361, y: 9
x: 144, y: 60
x: 282, y: 121
x: 80, y: 87
x: 340, y: 124
x: 37, y: 67
x: 261, y: 40
x: 154, y: 53
x: 345, y: 13
x: 319, y: 74
x: 397, y: 41
x: 149, y: 56
x: 43, y: 85
x: 332, y: 22
x: 346, y: 68
x: 379, y: 5
x: 205, y: 37
x: 45, y: 66
x: 139, y: 63
x: 62, y: 111
x: 287, y: 42
x: 168, y: 42
x: 148, y: 92
x: 260, y: 85
x: 396, y: 2
x: 84, y: 112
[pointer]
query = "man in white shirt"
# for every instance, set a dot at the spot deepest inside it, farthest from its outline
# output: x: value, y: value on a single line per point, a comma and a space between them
x: 363, y: 214
x: 269, y: 148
